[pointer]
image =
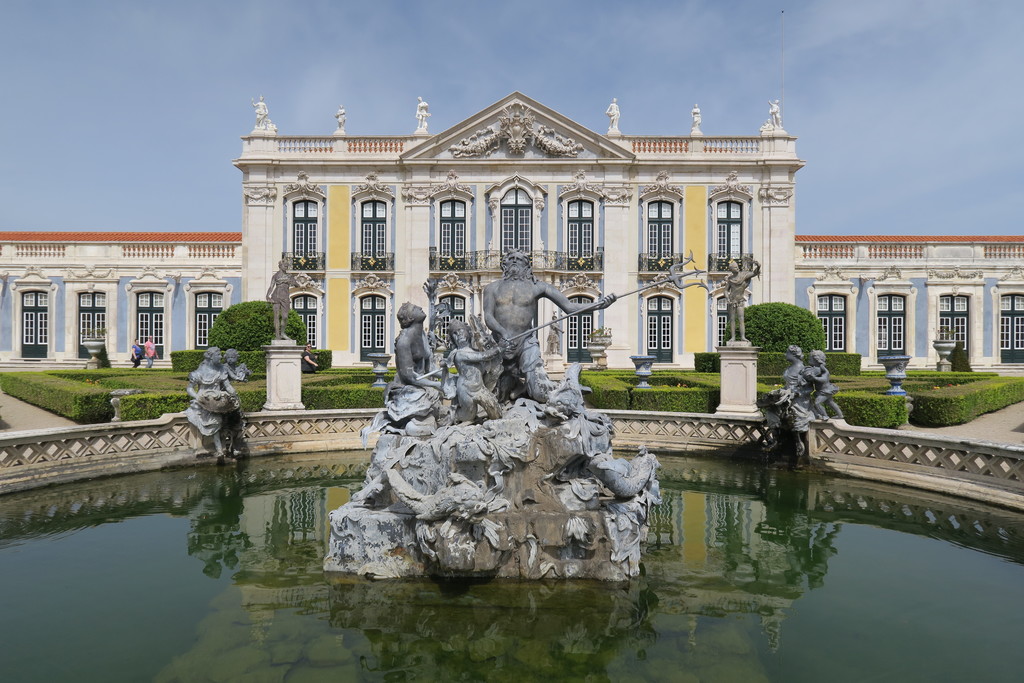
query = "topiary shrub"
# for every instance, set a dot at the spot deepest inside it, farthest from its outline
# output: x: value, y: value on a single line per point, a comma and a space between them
x: 774, y: 326
x: 959, y: 360
x: 249, y: 326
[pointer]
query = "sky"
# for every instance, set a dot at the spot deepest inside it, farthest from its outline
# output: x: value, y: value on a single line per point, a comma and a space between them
x: 127, y: 115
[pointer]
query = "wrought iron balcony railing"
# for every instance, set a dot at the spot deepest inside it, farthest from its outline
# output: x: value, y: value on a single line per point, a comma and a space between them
x: 719, y: 263
x: 376, y: 262
x: 314, y: 260
x: 490, y: 260
x: 648, y: 263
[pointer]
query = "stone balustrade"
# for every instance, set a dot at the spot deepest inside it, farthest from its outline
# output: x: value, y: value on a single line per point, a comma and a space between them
x: 979, y: 470
x: 686, y: 146
x: 960, y: 252
x: 61, y: 253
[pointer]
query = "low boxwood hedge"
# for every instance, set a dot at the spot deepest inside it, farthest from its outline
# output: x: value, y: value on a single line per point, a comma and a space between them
x: 771, y: 363
x: 187, y: 361
x: 80, y: 401
x: 940, y: 406
x: 869, y: 409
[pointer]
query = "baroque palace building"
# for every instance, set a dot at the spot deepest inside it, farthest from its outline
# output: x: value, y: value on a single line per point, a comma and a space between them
x: 364, y: 222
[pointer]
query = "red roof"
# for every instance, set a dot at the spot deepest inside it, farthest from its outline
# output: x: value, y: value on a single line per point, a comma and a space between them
x: 910, y: 238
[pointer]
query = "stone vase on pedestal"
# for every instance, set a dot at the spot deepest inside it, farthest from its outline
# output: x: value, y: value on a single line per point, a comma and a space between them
x: 739, y: 378
x: 93, y: 346
x: 944, y: 347
x: 380, y: 368
x: 597, y: 347
x: 643, y: 369
x: 895, y: 372
x: 284, y: 375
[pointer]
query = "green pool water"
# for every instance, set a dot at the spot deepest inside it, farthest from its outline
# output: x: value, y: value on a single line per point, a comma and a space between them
x: 750, y: 575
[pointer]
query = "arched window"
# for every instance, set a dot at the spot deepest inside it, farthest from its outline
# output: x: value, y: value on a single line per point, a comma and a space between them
x: 580, y: 230
x: 954, y: 315
x: 305, y: 240
x: 208, y: 306
x: 372, y: 325
x: 729, y: 242
x: 374, y: 229
x: 149, y: 319
x: 577, y: 332
x: 516, y: 221
x: 659, y: 229
x: 659, y: 328
x: 453, y: 229
x: 890, y: 325
x: 1011, y: 328
x: 92, y: 319
x: 832, y: 314
x: 305, y: 306
x: 35, y: 324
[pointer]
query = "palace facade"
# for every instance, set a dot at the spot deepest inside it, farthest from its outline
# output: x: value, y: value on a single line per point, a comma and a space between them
x: 365, y: 222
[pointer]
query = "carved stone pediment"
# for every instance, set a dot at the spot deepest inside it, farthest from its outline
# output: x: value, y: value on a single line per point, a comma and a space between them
x: 832, y: 274
x: 373, y: 188
x: 731, y: 189
x: 579, y: 283
x: 1016, y: 273
x: 890, y: 273
x: 372, y: 283
x: 517, y: 127
x: 302, y: 187
x: 661, y: 188
x: 89, y: 273
x: 775, y: 196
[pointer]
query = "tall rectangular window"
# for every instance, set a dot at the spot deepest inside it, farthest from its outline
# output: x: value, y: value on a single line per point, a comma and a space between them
x: 832, y: 314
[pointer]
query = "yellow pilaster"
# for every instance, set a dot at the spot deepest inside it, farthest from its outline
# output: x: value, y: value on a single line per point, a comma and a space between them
x: 695, y: 299
x: 338, y: 297
x: 339, y: 254
x: 695, y: 519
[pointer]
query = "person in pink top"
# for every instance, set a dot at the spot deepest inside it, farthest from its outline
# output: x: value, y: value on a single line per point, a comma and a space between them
x: 150, y: 352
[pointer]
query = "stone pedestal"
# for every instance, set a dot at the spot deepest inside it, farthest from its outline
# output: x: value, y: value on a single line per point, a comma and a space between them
x: 739, y: 378
x: 284, y: 375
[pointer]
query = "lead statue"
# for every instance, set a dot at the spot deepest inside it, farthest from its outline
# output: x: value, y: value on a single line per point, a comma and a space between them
x: 279, y: 296
x: 735, y: 286
x: 510, y: 311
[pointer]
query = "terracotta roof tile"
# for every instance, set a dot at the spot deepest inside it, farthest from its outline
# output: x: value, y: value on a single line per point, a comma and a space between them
x: 47, y: 236
x: 910, y: 238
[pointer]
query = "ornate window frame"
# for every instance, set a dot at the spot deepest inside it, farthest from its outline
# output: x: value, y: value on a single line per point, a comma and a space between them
x: 150, y: 282
x: 496, y: 192
x: 842, y: 288
x: 303, y: 190
x: 207, y: 282
x: 34, y: 281
x: 899, y: 288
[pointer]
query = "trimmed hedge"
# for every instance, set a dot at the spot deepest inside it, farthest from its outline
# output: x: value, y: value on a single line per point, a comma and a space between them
x: 771, y: 363
x: 249, y: 326
x: 774, y: 326
x: 187, y: 361
x: 868, y: 409
x: 82, y: 402
x: 952, y: 405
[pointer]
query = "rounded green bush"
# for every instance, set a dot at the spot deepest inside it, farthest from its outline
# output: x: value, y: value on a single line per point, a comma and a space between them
x: 249, y: 326
x: 775, y: 326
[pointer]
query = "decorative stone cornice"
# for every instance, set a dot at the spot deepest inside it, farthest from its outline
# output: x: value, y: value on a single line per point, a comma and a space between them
x: 90, y: 273
x: 373, y: 188
x: 579, y: 283
x: 260, y: 195
x: 731, y: 189
x: 775, y: 196
x: 416, y: 194
x: 1016, y: 273
x: 372, y: 283
x: 832, y: 274
x: 303, y: 187
x: 956, y: 274
x: 451, y: 282
x: 451, y: 187
x: 890, y: 273
x: 661, y: 188
x: 517, y: 128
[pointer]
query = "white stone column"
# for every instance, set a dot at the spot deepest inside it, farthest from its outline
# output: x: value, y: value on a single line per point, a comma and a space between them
x: 620, y: 268
x: 739, y: 379
x: 284, y: 375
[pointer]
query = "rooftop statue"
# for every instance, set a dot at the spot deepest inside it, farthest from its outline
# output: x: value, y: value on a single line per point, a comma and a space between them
x: 422, y: 114
x: 263, y: 121
x: 695, y: 126
x: 341, y: 116
x: 613, y: 116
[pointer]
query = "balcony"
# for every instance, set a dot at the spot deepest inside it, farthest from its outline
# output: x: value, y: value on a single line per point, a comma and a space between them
x: 490, y: 261
x: 315, y: 260
x: 719, y: 263
x: 373, y: 262
x: 649, y: 263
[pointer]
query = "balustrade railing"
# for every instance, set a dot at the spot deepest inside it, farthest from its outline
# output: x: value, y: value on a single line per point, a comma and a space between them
x: 896, y: 251
x: 648, y: 263
x: 719, y: 263
x: 373, y: 262
x: 660, y: 146
x: 375, y: 145
x: 40, y: 250
x: 827, y: 251
x: 305, y: 145
x: 147, y: 251
x: 316, y: 260
x: 211, y: 250
x: 490, y: 260
x: 732, y: 145
x: 1004, y: 251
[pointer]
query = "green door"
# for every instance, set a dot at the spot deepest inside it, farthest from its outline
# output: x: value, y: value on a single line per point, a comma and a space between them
x: 35, y: 324
x: 1011, y: 328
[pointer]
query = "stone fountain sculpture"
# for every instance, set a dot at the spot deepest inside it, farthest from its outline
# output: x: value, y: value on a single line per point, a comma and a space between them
x: 516, y: 478
x: 806, y: 392
x: 216, y: 410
